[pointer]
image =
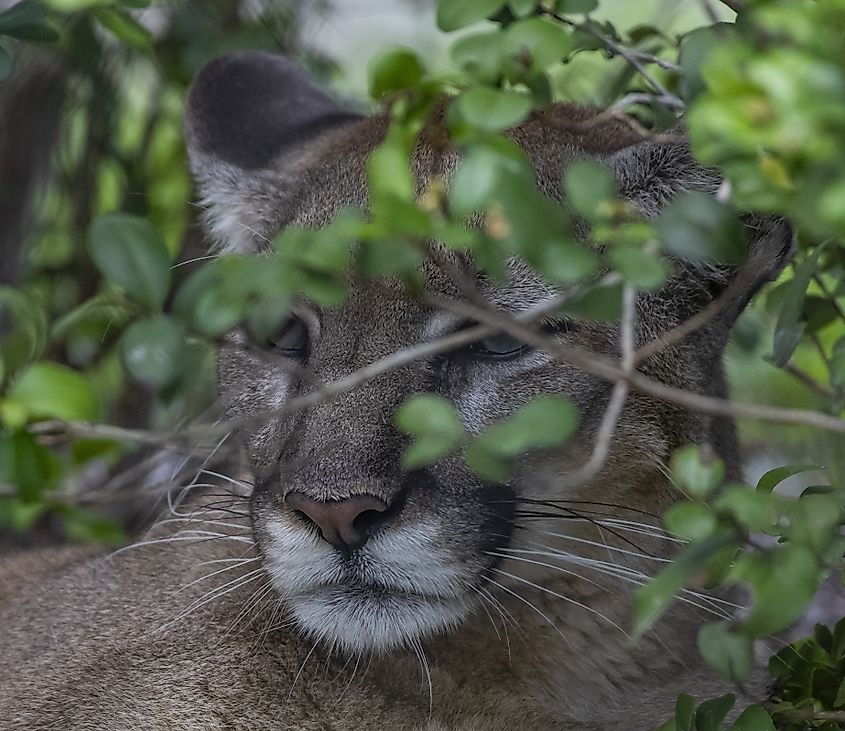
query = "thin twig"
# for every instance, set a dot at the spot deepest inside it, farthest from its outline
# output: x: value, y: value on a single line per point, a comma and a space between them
x: 830, y: 296
x: 604, y: 435
x: 635, y: 58
x: 518, y: 326
x: 602, y: 367
x: 698, y: 320
x: 801, y: 375
x: 617, y: 112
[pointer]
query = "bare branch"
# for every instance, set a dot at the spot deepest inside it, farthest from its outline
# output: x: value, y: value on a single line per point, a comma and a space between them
x: 801, y: 375
x: 602, y: 367
x: 618, y: 397
x: 518, y: 326
x: 617, y: 112
x: 635, y: 58
x: 698, y: 320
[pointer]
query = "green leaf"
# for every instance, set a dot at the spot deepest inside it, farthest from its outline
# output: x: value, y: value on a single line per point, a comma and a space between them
x: 479, y: 54
x: 393, y: 70
x: 19, y: 515
x: 564, y: 261
x: 695, y: 475
x: 28, y: 338
x: 651, y: 600
x: 544, y: 422
x: 639, y: 268
x: 388, y: 171
x: 435, y: 424
x: 521, y: 8
x: 814, y: 521
x: 753, y: 718
x: 452, y: 14
x: 790, y: 325
x: 598, y: 304
x: 695, y: 47
x: 55, y: 391
x: 697, y: 227
x: 684, y: 712
x: 152, y: 350
x: 483, y: 177
x: 729, y: 653
x: 110, y: 306
x: 567, y: 7
x: 589, y: 184
x: 27, y: 21
x: 754, y: 510
x: 839, y: 701
x: 783, y: 580
x: 710, y: 714
x: 25, y: 464
x: 492, y: 110
x: 267, y: 316
x: 6, y: 64
x: 773, y: 478
x: 837, y: 365
x: 85, y: 526
x: 125, y: 27
x: 536, y: 43
x: 692, y: 521
x: 130, y: 253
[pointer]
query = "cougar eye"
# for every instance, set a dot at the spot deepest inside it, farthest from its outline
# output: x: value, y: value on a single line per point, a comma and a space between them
x: 292, y: 341
x: 500, y: 345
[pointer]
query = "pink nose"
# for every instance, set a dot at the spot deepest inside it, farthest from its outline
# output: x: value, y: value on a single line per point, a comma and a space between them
x: 346, y: 524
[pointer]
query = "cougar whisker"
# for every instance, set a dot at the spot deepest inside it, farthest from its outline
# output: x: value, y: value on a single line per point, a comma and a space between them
x: 525, y: 601
x: 215, y: 594
x: 565, y: 598
x: 632, y: 576
x: 217, y: 573
x: 637, y: 554
x: 559, y: 569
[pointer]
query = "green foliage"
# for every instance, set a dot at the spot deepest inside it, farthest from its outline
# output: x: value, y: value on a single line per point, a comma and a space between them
x: 394, y: 70
x: 546, y: 421
x: 131, y: 254
x: 808, y: 681
x: 452, y: 16
x: 697, y: 227
x: 434, y: 423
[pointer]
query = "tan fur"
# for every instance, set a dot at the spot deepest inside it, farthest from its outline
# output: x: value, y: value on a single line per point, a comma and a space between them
x: 152, y: 638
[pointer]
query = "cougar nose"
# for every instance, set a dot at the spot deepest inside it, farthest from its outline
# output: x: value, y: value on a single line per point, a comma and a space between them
x: 346, y: 524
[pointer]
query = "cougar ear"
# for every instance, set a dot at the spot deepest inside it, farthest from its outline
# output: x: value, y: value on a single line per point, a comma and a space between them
x: 249, y: 117
x: 650, y: 174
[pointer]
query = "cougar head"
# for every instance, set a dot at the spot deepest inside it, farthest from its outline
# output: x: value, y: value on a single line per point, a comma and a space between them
x: 365, y: 555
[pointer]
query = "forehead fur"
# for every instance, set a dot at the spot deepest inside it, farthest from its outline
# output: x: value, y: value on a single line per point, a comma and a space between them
x: 269, y: 149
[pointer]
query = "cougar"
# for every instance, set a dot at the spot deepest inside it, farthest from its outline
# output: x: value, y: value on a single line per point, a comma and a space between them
x: 327, y: 588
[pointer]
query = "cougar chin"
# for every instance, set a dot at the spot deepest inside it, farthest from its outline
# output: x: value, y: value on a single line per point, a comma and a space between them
x: 395, y: 591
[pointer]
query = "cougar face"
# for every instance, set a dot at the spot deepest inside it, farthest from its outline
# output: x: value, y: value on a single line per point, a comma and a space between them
x: 367, y: 556
x: 370, y: 556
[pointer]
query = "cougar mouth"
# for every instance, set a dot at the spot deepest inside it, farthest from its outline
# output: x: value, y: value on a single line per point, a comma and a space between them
x: 399, y: 588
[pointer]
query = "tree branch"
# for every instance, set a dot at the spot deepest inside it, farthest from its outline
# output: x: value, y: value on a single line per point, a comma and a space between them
x: 635, y: 58
x: 618, y: 397
x: 602, y: 367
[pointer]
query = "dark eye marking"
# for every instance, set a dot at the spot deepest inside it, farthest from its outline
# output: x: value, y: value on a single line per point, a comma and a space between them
x: 292, y: 339
x: 501, y: 346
